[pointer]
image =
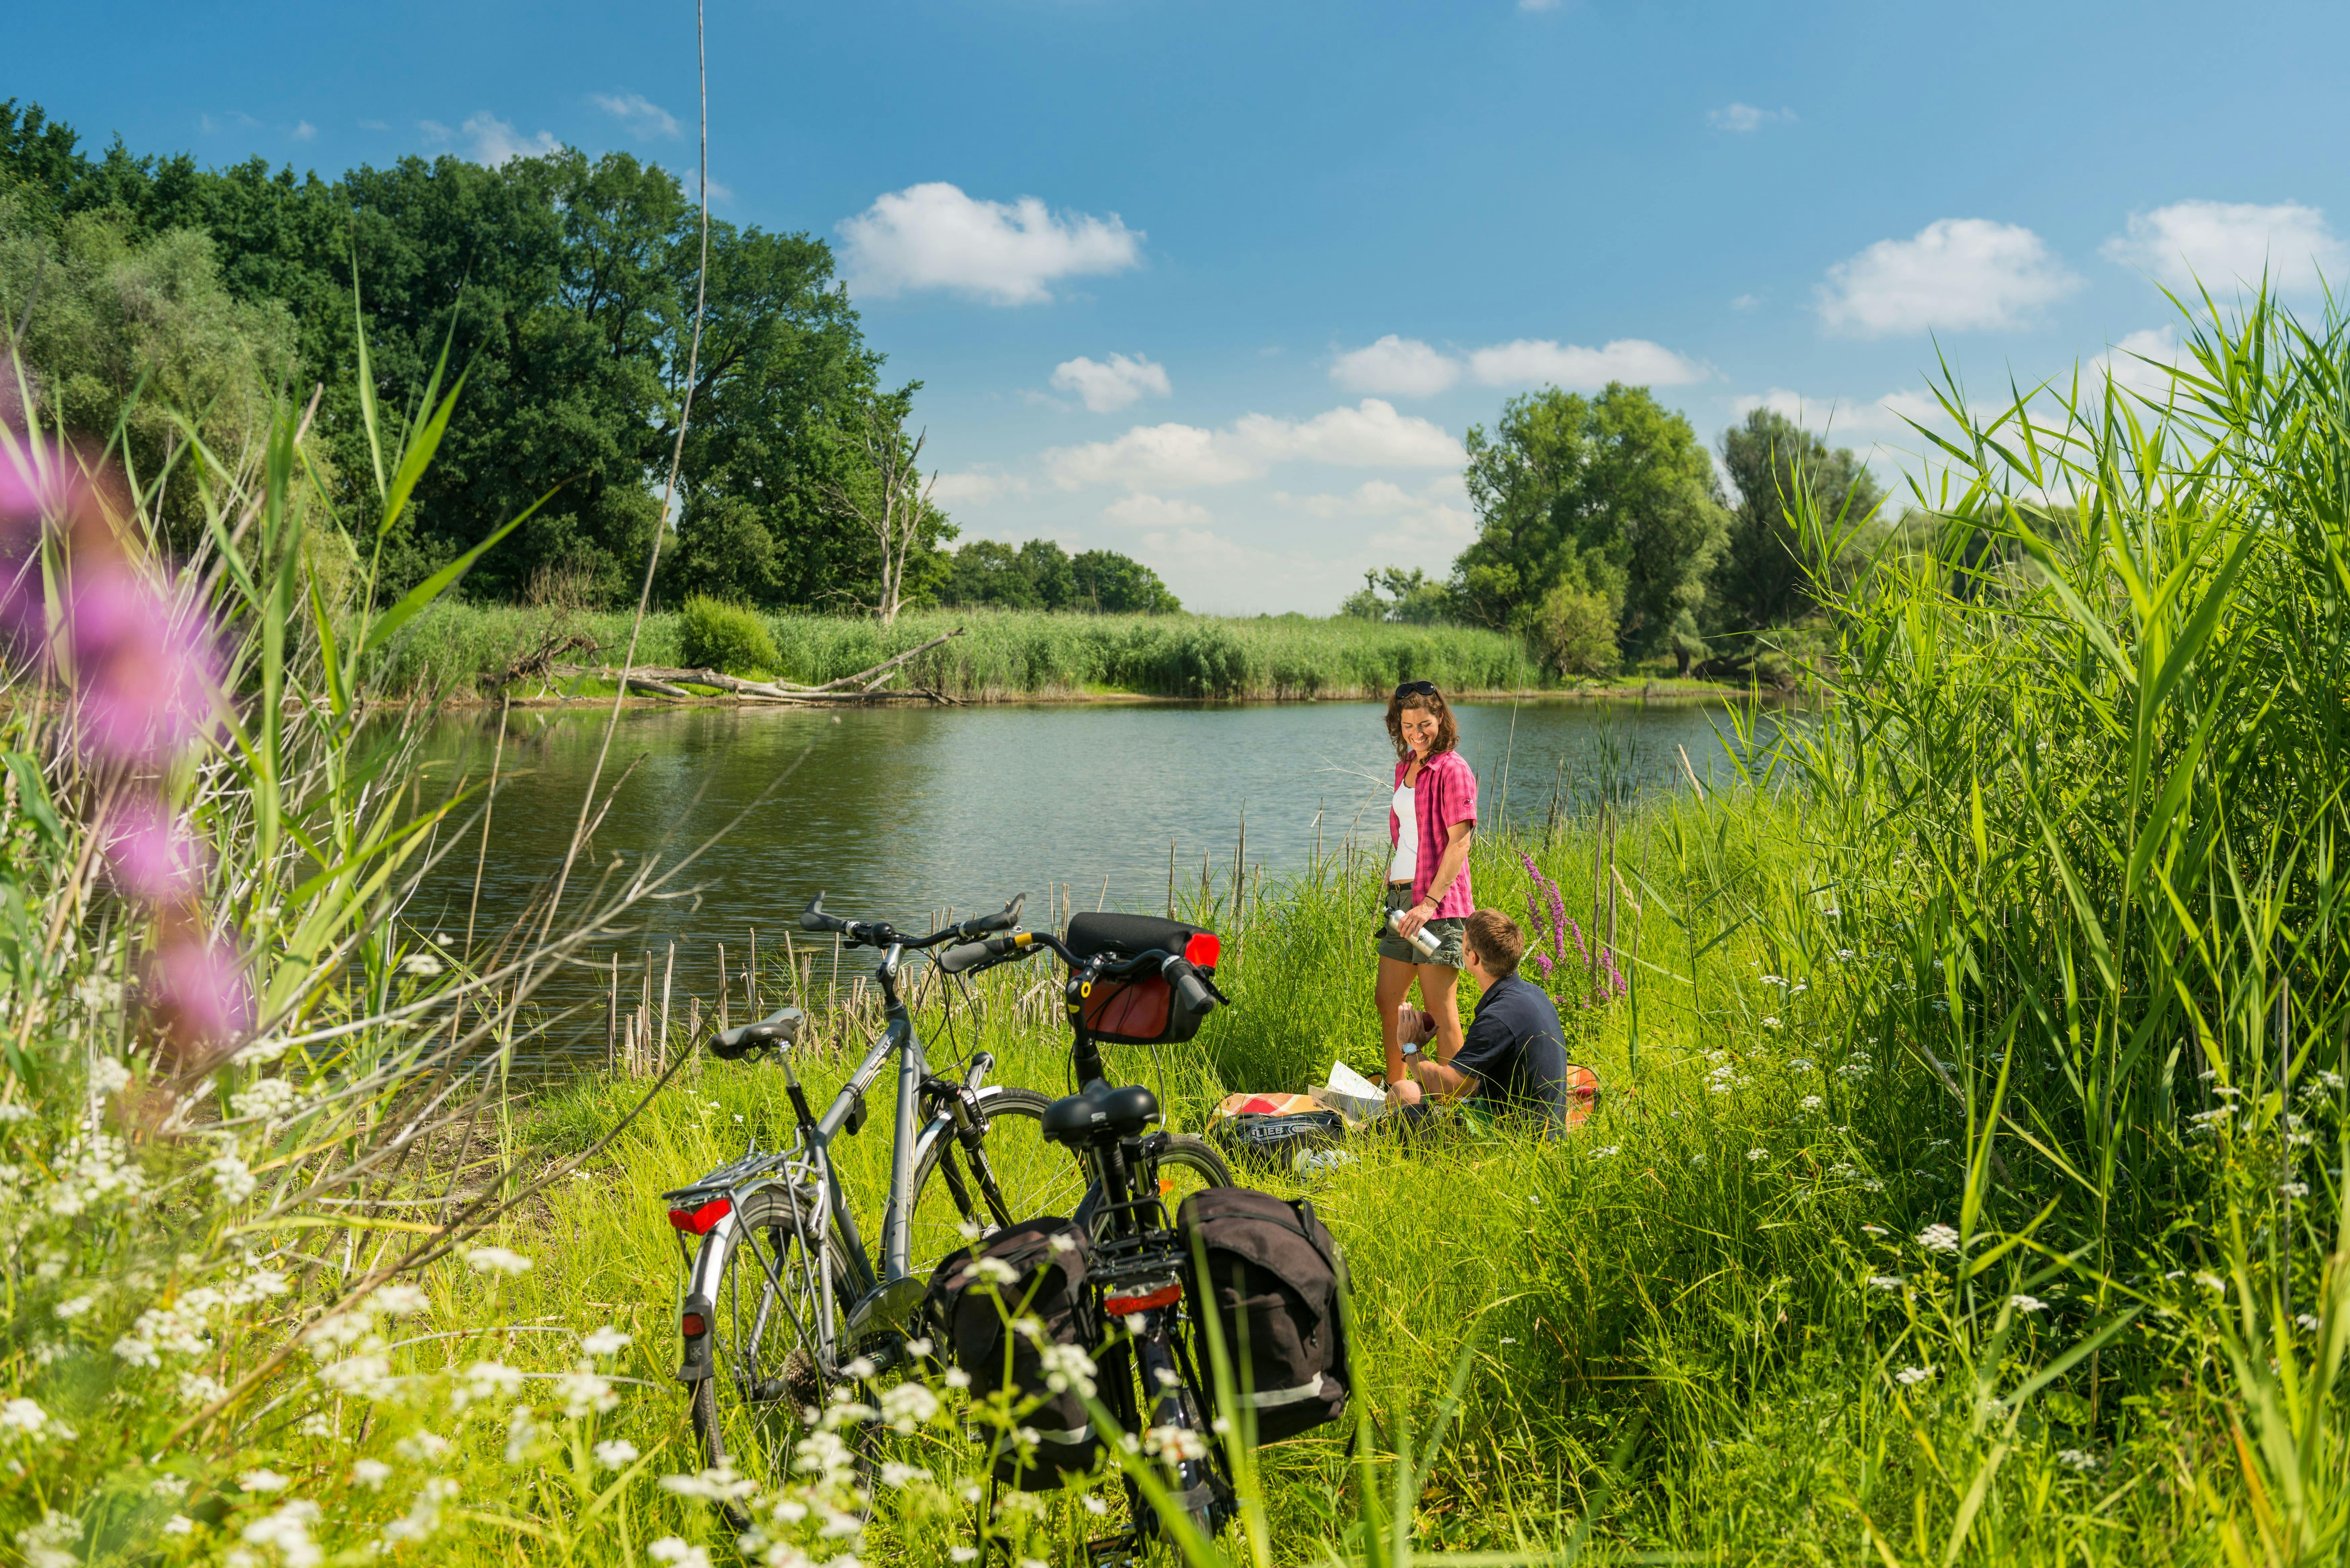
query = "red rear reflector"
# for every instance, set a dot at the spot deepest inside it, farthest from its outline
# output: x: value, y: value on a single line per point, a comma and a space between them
x: 694, y: 1324
x: 698, y: 1221
x: 1167, y: 1294
x: 1203, y: 951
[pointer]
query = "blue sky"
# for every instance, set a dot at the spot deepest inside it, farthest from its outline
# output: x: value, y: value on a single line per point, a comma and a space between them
x: 1222, y: 287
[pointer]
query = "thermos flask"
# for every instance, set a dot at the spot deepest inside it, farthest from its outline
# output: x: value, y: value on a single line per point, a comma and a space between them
x: 1422, y: 939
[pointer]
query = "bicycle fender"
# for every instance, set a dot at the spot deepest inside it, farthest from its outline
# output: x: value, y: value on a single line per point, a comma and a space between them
x: 700, y: 1291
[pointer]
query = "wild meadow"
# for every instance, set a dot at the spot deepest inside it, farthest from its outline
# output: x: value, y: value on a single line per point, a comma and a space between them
x: 1967, y: 1183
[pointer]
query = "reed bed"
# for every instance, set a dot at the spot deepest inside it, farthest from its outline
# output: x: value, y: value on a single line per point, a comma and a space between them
x: 1001, y: 654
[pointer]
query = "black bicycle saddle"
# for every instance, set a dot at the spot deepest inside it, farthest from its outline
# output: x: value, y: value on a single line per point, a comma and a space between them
x: 1101, y: 1115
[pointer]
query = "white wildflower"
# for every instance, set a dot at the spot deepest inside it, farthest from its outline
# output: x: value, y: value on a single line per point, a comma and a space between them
x: 486, y: 1380
x: 670, y: 1549
x: 1939, y: 1239
x: 584, y: 1394
x: 1885, y: 1281
x: 2295, y: 1190
x: 1800, y: 1064
x: 520, y: 1432
x: 2213, y: 1282
x: 44, y: 1544
x: 198, y: 1390
x: 908, y: 1405
x: 859, y: 1369
x: 108, y: 1075
x: 615, y: 1453
x: 957, y: 1377
x: 232, y: 1181
x: 606, y: 1341
x: 1758, y: 1154
x: 424, y: 965
x: 918, y: 1347
x: 1773, y: 1024
x: 894, y: 1474
x: 263, y: 1480
x: 423, y: 1516
x: 2027, y: 1304
x: 995, y: 1271
x: 289, y: 1530
x: 1062, y: 1242
x: 2308, y: 1321
x: 179, y: 1524
x: 370, y: 1474
x: 23, y: 1415
x: 135, y: 1352
x: 1910, y: 1377
x: 269, y: 1099
x: 170, y: 1487
x: 1604, y: 1151
x: 1813, y: 1102
x: 2074, y: 1459
x: 719, y: 1485
x: 1066, y: 1366
x: 1175, y: 1444
x: 496, y: 1261
x: 422, y: 1446
x: 365, y: 1376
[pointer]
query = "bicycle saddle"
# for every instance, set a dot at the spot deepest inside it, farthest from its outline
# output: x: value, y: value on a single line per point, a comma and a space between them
x: 1100, y: 1114
x: 776, y: 1029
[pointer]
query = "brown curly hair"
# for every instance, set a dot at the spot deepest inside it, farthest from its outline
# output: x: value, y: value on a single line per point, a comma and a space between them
x: 1421, y: 694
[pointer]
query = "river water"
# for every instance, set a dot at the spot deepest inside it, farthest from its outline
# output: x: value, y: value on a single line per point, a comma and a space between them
x: 898, y: 812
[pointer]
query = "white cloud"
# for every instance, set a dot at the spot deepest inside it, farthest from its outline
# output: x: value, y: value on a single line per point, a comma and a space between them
x: 1836, y: 419
x: 1431, y: 523
x: 1403, y: 367
x: 2126, y: 363
x: 1744, y: 302
x: 934, y: 236
x: 374, y: 124
x: 1406, y: 367
x: 1955, y: 274
x: 234, y: 120
x: 1574, y: 366
x: 303, y: 130
x: 1179, y: 457
x: 1745, y: 119
x: 1155, y: 511
x: 2227, y: 243
x: 1107, y: 388
x: 977, y: 487
x: 636, y: 111
x: 495, y: 141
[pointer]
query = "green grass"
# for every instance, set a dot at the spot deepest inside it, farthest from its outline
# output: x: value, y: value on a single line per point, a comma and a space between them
x: 1008, y: 654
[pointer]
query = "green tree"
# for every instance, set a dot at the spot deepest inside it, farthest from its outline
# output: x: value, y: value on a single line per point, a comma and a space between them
x: 1048, y: 565
x: 1761, y: 579
x: 1408, y: 598
x: 990, y: 572
x: 1611, y: 493
x: 1110, y: 584
x: 146, y: 335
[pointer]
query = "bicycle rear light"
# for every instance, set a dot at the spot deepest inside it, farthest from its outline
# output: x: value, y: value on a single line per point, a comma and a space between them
x: 698, y: 1221
x: 1203, y: 951
x: 694, y: 1324
x: 1144, y: 1299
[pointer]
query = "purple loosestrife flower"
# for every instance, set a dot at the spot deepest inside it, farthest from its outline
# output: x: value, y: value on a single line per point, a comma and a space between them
x: 146, y: 675
x: 198, y: 985
x: 149, y: 856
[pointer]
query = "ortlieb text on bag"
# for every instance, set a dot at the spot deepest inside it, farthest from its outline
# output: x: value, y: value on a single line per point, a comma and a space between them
x: 1036, y: 1269
x: 1268, y: 1272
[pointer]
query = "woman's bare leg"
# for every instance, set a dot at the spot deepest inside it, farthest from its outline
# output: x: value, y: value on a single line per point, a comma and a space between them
x: 1395, y: 985
x: 1437, y: 983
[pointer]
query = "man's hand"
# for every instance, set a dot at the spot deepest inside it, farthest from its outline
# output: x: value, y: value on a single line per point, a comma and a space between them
x: 1414, y: 1027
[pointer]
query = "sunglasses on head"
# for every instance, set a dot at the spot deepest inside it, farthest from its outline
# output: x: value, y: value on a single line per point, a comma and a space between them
x: 1417, y: 689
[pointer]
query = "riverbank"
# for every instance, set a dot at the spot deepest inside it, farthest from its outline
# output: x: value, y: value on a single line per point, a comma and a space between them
x: 471, y: 652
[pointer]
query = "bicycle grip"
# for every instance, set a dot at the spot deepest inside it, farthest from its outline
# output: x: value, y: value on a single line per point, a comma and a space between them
x: 966, y: 955
x: 1191, y: 990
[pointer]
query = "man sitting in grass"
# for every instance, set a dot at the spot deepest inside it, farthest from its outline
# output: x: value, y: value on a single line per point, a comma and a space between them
x: 1512, y: 1061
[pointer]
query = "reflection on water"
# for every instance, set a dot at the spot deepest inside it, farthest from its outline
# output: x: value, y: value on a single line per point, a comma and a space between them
x: 895, y: 813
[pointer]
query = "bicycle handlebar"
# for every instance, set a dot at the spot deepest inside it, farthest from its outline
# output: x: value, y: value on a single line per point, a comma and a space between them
x: 881, y: 934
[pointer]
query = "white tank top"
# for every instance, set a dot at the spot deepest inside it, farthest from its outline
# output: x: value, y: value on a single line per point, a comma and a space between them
x: 1406, y: 864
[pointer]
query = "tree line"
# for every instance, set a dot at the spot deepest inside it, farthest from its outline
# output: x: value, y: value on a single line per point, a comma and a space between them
x: 1605, y: 534
x: 176, y: 299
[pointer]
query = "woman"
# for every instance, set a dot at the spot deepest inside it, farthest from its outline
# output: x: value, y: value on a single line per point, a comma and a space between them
x: 1429, y: 822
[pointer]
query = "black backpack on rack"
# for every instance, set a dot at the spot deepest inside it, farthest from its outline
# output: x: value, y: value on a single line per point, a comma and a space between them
x: 1049, y: 1283
x: 1272, y: 1281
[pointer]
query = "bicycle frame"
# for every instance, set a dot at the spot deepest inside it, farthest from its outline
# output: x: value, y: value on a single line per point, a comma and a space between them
x: 888, y: 1295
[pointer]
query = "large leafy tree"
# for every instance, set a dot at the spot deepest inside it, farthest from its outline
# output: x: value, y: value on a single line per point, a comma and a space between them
x: 1761, y: 579
x: 1609, y: 496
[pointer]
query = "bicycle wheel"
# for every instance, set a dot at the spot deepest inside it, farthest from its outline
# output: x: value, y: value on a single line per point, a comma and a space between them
x: 1033, y: 1178
x: 774, y: 1329
x: 1186, y: 1165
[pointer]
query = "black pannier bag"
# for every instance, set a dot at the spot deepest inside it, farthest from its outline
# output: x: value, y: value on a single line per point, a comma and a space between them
x: 1049, y: 1283
x: 1273, y: 1278
x: 1145, y: 1010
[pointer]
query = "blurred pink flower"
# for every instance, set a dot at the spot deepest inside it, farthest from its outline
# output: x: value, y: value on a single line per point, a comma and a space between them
x: 149, y: 856
x: 199, y: 985
x: 146, y: 675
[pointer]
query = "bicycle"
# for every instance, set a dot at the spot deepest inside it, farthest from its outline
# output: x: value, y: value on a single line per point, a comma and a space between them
x: 783, y: 1302
x: 1140, y: 1265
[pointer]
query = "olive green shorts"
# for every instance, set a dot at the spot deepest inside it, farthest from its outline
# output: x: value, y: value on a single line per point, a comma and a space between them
x: 1447, y: 930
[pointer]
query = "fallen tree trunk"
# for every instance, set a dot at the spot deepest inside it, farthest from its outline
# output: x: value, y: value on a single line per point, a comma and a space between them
x: 663, y: 682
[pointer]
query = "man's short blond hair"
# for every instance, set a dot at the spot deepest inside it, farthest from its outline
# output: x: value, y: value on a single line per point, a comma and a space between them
x: 1495, y: 938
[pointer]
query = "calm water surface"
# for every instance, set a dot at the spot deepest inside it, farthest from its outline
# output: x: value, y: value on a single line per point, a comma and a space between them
x: 895, y: 813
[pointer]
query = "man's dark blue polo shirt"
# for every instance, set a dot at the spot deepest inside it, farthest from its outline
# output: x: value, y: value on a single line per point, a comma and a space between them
x: 1516, y: 1050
